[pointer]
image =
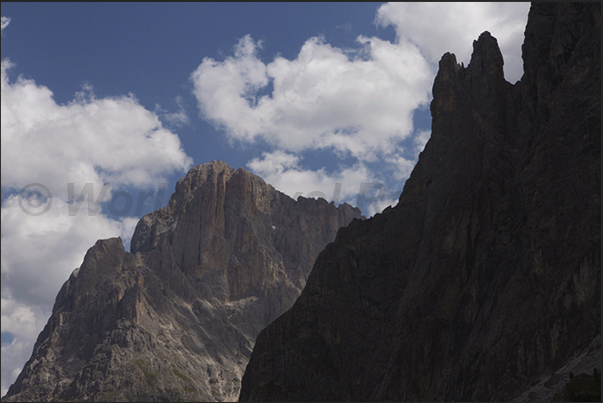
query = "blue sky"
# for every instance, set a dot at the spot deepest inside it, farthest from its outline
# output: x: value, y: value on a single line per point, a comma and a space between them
x: 306, y: 95
x: 151, y: 49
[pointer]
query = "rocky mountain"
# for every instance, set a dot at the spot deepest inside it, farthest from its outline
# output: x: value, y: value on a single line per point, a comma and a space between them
x: 484, y: 282
x: 176, y: 318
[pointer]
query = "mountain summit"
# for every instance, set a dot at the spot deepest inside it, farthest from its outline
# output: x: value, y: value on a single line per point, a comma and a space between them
x: 485, y: 279
x: 176, y: 318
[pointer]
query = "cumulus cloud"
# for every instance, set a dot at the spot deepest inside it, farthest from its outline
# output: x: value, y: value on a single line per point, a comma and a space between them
x: 284, y: 172
x: 26, y: 322
x: 39, y: 252
x: 357, y: 103
x: 22, y: 319
x: 401, y: 167
x: 352, y: 184
x: 89, y: 140
x: 438, y: 28
x: 15, y: 354
x: 57, y: 152
x: 421, y: 138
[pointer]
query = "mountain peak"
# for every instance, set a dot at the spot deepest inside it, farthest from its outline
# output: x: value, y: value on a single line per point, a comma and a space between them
x: 176, y: 318
x: 486, y: 56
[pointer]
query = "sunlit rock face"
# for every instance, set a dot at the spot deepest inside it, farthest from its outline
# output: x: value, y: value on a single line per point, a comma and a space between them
x: 177, y: 317
x: 485, y: 279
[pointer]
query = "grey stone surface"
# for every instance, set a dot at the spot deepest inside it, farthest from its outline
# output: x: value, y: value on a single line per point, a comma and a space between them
x: 176, y: 319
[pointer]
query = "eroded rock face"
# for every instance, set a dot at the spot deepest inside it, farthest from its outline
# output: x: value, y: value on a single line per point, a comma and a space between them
x: 176, y: 319
x: 486, y: 277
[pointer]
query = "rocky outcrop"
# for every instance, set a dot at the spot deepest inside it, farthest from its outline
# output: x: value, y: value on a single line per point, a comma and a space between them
x: 176, y: 318
x: 485, y: 279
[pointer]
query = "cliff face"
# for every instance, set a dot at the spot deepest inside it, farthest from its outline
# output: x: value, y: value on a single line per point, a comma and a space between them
x: 176, y: 319
x: 485, y: 279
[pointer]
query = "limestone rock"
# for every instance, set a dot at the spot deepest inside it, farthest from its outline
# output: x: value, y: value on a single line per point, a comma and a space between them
x: 485, y: 279
x: 177, y: 317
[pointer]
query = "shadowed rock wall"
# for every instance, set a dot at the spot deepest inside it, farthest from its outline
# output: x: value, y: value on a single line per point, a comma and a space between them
x: 486, y: 276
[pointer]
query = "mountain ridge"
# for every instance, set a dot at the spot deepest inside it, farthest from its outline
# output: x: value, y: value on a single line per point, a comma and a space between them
x: 176, y: 318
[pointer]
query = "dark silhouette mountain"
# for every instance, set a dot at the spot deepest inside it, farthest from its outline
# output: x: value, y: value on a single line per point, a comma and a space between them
x: 484, y: 282
x: 176, y: 318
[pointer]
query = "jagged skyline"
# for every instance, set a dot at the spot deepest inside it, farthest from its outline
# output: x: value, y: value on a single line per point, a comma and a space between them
x: 311, y: 96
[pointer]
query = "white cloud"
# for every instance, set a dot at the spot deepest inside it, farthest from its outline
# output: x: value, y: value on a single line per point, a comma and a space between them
x: 15, y: 354
x: 360, y: 104
x: 20, y: 318
x: 438, y: 28
x: 26, y: 322
x: 401, y: 167
x: 39, y: 252
x: 379, y: 205
x: 421, y: 138
x: 87, y: 141
x: 356, y: 184
x: 4, y: 23
x: 284, y: 171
